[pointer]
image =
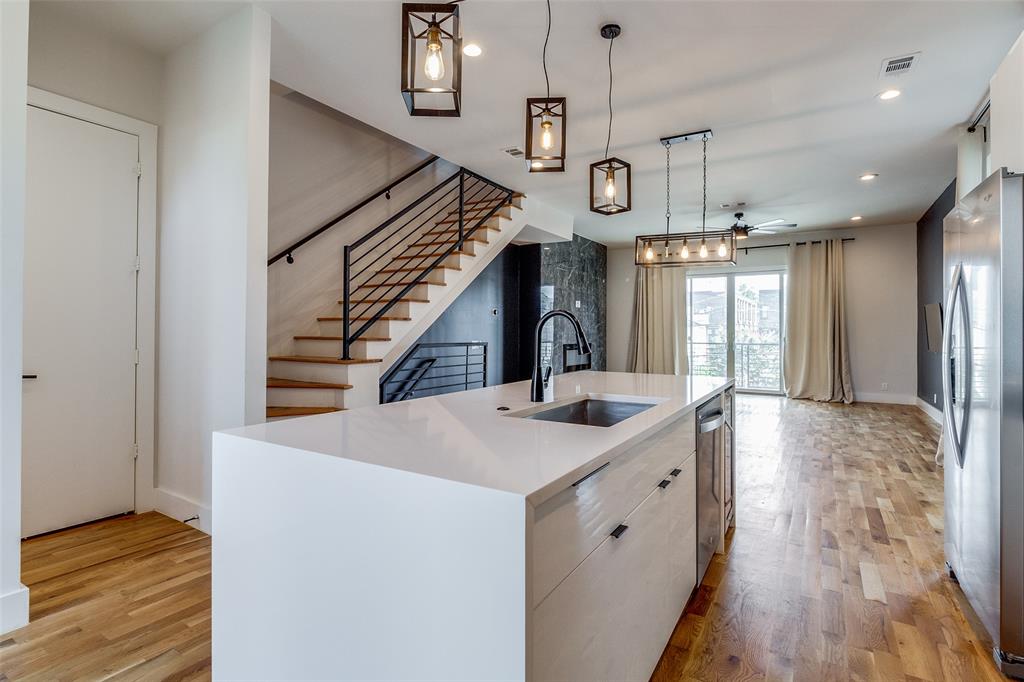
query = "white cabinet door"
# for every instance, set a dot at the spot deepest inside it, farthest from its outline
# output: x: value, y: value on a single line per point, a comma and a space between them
x: 682, y: 535
x: 78, y: 424
x: 605, y: 621
x: 570, y: 525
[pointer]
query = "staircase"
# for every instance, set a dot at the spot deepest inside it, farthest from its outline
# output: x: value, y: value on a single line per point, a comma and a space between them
x: 398, y: 278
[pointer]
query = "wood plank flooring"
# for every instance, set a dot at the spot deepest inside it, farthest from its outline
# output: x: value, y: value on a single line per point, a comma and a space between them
x: 123, y: 599
x: 835, y: 571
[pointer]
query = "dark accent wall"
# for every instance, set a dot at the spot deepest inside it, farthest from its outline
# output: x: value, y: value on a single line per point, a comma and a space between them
x: 471, y: 317
x: 511, y: 285
x: 929, y: 290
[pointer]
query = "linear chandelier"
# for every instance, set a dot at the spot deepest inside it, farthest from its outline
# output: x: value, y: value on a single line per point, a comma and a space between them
x: 676, y: 249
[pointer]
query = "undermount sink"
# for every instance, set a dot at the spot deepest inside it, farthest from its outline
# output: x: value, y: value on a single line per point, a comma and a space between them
x: 591, y: 412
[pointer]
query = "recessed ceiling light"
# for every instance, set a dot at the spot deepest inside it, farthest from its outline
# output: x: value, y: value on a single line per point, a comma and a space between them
x: 473, y: 50
x: 892, y: 93
x: 868, y: 176
x: 856, y: 217
x: 537, y: 164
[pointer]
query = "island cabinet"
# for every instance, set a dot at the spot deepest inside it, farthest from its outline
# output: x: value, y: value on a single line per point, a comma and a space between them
x: 614, y: 561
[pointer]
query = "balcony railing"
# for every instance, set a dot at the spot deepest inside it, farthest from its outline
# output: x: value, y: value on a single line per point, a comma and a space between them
x: 758, y: 365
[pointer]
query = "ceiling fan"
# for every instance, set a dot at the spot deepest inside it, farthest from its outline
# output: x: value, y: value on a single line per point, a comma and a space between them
x: 742, y: 228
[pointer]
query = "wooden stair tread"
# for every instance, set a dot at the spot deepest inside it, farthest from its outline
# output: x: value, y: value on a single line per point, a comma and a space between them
x: 371, y: 301
x: 478, y: 240
x: 434, y: 254
x: 390, y: 285
x: 392, y: 318
x: 323, y: 360
x: 489, y: 225
x: 277, y: 382
x: 390, y: 271
x: 321, y: 337
x: 280, y: 411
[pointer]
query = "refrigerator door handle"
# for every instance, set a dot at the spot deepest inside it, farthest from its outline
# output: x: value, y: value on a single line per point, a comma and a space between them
x: 956, y: 299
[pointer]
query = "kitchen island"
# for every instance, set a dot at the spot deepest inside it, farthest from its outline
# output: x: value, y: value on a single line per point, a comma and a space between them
x: 462, y: 536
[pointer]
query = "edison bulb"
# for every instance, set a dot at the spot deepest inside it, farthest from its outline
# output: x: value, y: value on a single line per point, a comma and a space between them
x: 703, y: 249
x: 546, y: 139
x: 721, y: 247
x: 685, y: 252
x: 433, y: 65
x: 609, y: 185
x: 649, y: 253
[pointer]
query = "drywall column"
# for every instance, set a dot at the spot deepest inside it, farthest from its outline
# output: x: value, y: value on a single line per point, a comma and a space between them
x: 13, y: 81
x: 1007, y: 113
x: 213, y: 251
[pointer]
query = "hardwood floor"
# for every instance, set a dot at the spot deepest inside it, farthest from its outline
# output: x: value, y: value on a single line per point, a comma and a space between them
x: 123, y: 599
x: 835, y: 571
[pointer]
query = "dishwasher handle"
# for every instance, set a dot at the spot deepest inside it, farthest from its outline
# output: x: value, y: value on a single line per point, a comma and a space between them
x: 712, y: 421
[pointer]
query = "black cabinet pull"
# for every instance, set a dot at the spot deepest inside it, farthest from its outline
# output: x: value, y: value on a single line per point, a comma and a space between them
x: 619, y: 530
x: 598, y: 469
x: 675, y: 472
x: 29, y: 376
x: 664, y: 484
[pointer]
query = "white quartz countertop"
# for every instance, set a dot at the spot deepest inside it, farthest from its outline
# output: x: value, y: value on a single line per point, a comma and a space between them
x: 464, y: 437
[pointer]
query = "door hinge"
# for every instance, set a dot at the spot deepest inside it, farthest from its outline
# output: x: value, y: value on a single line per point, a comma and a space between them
x: 138, y: 170
x: 136, y: 356
x: 135, y: 451
x: 138, y: 263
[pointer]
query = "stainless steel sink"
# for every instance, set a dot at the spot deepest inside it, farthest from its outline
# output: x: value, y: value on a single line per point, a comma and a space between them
x: 591, y: 412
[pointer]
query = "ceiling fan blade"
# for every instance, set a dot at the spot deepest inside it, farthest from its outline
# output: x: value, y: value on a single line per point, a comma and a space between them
x: 767, y: 231
x: 770, y: 222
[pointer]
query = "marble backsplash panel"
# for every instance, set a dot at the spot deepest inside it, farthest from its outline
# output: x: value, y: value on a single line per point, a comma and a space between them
x: 576, y: 273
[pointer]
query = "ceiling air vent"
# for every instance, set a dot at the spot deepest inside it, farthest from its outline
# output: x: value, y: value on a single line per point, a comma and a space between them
x: 514, y: 152
x: 897, y: 66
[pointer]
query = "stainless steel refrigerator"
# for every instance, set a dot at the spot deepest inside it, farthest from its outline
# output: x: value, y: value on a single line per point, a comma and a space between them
x: 983, y: 260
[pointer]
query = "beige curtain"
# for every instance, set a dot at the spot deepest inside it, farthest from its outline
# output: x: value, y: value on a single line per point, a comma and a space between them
x: 817, y: 362
x: 657, y: 339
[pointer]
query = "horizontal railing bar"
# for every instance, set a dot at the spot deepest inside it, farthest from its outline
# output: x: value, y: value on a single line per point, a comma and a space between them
x: 358, y: 206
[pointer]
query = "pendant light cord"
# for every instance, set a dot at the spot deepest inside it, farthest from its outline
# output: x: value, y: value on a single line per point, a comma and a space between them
x: 544, y: 54
x: 704, y: 214
x: 668, y: 186
x: 608, y: 140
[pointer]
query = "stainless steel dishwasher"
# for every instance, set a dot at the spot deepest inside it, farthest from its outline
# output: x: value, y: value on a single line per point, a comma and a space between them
x: 710, y: 422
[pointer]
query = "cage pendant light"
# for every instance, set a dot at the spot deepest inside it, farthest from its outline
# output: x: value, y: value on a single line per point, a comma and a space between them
x: 611, y: 190
x: 431, y: 59
x: 545, y: 123
x: 699, y: 247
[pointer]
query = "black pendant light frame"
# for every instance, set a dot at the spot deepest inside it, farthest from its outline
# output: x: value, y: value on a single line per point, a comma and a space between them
x: 682, y: 249
x: 610, y: 169
x: 547, y: 112
x: 418, y: 19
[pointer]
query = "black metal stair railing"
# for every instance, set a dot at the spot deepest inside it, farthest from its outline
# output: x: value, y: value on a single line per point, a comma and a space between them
x: 382, y: 267
x: 434, y: 369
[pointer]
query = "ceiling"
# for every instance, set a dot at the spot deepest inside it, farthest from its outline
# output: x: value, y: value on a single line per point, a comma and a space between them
x: 789, y: 89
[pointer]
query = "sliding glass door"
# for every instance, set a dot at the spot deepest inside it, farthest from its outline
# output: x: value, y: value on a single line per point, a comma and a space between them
x: 735, y: 327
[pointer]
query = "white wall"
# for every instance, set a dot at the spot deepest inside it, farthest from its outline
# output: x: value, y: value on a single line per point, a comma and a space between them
x: 71, y: 60
x: 881, y: 305
x: 1006, y: 118
x: 13, y: 70
x: 321, y: 163
x: 213, y: 250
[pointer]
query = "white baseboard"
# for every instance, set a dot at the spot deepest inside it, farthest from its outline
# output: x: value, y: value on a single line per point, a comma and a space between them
x: 14, y: 609
x: 928, y: 409
x: 891, y: 398
x: 180, y: 507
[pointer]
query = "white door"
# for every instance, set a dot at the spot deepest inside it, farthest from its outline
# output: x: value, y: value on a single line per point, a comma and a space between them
x: 81, y: 241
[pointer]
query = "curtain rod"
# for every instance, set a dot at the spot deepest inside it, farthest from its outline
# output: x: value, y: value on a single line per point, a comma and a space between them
x: 779, y: 246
